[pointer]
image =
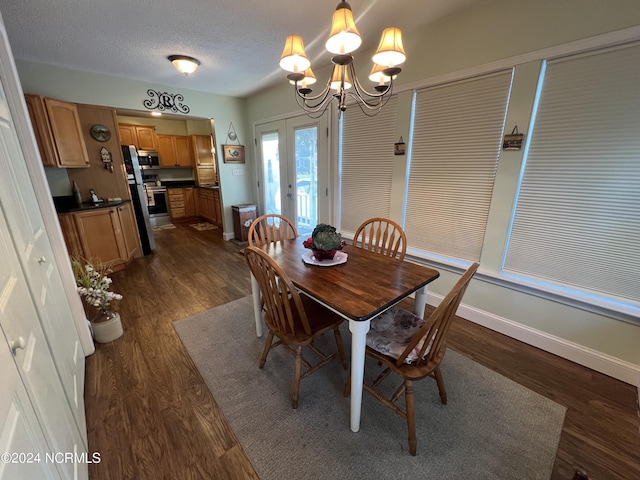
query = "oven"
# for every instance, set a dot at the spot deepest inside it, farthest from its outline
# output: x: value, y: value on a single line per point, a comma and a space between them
x: 158, y: 204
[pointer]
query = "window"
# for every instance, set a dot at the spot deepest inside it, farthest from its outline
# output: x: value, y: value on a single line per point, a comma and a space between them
x: 457, y: 133
x: 576, y: 224
x: 366, y: 164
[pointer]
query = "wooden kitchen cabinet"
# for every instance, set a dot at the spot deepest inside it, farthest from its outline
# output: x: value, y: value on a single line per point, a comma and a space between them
x: 142, y: 136
x: 209, y: 206
x: 107, y: 235
x: 204, y: 158
x: 175, y: 151
x: 190, y: 201
x: 130, y: 235
x: 202, y: 150
x: 58, y: 132
x: 182, y: 202
x: 176, y: 203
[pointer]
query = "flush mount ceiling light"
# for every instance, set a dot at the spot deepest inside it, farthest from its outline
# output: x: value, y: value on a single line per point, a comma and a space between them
x: 344, y: 39
x: 184, y: 64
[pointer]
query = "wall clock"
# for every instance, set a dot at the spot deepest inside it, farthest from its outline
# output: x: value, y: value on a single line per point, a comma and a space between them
x: 100, y: 133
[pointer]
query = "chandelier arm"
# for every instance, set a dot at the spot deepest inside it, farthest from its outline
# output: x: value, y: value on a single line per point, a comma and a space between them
x: 368, y: 109
x: 361, y: 91
x: 322, y: 100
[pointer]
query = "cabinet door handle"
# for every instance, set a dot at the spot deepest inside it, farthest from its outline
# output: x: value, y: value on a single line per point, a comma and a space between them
x: 42, y: 260
x: 18, y: 344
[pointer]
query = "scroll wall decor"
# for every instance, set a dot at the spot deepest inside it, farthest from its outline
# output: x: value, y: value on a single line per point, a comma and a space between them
x: 162, y: 101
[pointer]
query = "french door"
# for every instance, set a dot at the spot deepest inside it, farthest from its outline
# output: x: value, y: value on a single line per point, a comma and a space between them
x: 293, y: 167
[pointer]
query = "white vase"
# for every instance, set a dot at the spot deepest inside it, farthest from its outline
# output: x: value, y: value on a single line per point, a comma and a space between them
x: 106, y: 327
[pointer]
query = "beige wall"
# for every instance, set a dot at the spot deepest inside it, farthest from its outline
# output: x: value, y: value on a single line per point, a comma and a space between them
x: 504, y: 33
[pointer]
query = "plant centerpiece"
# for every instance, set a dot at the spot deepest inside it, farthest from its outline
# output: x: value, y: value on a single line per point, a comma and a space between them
x: 93, y: 285
x: 324, y: 242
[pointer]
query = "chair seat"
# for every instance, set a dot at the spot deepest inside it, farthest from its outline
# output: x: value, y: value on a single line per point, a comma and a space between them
x: 392, y: 331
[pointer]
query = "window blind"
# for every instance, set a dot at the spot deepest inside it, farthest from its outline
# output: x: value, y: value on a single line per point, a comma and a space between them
x: 455, y: 147
x: 577, y: 219
x: 366, y: 149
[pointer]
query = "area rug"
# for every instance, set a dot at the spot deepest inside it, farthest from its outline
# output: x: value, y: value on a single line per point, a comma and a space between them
x: 491, y: 428
x: 168, y: 226
x: 203, y: 226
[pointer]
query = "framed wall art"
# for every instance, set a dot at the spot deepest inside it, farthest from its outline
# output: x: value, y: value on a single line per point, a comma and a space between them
x: 233, y: 153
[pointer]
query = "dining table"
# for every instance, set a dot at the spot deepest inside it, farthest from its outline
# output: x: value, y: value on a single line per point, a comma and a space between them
x: 358, y: 289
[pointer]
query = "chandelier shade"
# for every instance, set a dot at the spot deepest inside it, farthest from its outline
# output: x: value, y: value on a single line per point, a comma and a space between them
x: 344, y: 36
x: 184, y: 64
x: 377, y: 75
x: 293, y: 58
x: 309, y: 78
x: 390, y: 52
x: 340, y: 78
x: 343, y: 84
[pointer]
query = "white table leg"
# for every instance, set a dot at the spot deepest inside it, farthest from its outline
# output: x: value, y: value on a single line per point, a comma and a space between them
x: 421, y: 302
x: 257, y: 311
x: 358, y: 344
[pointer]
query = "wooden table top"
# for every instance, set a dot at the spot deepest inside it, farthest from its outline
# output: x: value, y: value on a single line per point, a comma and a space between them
x: 366, y: 285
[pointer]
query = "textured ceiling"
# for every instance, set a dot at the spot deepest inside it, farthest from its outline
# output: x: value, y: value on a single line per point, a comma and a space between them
x: 238, y: 42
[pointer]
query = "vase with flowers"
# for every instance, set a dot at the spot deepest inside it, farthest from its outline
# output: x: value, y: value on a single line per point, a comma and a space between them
x: 93, y: 286
x: 324, y: 242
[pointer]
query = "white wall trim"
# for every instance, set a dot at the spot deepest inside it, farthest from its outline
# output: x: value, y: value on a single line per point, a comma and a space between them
x: 598, y: 361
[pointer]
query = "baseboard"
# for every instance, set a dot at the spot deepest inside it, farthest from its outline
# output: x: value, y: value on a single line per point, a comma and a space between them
x: 598, y: 361
x: 228, y: 235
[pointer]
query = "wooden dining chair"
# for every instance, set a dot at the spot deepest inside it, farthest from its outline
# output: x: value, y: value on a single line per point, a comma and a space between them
x: 294, y: 320
x: 381, y: 235
x: 412, y: 348
x: 269, y: 228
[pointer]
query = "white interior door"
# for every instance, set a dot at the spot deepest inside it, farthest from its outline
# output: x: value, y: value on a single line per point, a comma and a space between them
x: 293, y: 167
x: 35, y: 254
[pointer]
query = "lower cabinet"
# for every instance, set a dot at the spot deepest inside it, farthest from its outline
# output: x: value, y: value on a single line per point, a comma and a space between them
x: 208, y: 205
x: 107, y: 234
x: 182, y: 203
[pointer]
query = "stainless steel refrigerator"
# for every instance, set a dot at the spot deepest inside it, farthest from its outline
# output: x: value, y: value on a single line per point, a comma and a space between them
x: 138, y: 198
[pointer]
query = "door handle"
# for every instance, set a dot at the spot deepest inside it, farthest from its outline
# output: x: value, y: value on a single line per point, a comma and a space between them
x: 18, y: 344
x: 42, y: 260
x: 290, y: 196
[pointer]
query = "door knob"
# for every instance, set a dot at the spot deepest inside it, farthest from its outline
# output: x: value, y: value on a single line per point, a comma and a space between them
x: 42, y: 260
x: 18, y: 344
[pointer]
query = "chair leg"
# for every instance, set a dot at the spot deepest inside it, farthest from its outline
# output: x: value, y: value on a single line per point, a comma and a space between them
x: 411, y: 416
x: 297, y: 368
x: 440, y: 381
x: 340, y: 345
x: 347, y: 386
x: 267, y: 347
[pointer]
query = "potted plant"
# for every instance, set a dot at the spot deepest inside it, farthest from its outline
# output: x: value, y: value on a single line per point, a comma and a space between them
x: 93, y: 285
x: 324, y: 242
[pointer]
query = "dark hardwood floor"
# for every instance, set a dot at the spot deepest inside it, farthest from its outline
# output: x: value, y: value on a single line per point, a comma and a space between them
x: 150, y: 415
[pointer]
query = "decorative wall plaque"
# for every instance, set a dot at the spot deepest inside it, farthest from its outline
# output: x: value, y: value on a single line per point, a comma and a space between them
x: 513, y: 141
x: 164, y: 101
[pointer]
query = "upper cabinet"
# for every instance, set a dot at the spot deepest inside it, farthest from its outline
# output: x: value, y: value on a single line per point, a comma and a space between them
x: 57, y: 128
x: 202, y: 150
x: 142, y: 136
x: 174, y: 151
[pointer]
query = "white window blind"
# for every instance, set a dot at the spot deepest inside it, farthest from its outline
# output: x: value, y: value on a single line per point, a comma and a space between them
x: 577, y: 220
x: 456, y: 142
x: 366, y: 164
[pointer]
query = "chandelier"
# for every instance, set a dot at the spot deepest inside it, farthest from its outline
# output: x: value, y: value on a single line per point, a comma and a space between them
x: 343, y: 82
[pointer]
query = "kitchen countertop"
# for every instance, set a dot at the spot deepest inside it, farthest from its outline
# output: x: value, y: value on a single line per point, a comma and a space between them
x: 64, y: 205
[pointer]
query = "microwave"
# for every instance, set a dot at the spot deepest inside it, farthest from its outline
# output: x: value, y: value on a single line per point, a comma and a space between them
x: 148, y: 159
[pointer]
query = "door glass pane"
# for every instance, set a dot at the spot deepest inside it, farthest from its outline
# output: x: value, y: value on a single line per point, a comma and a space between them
x: 306, y: 159
x: 271, y: 169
